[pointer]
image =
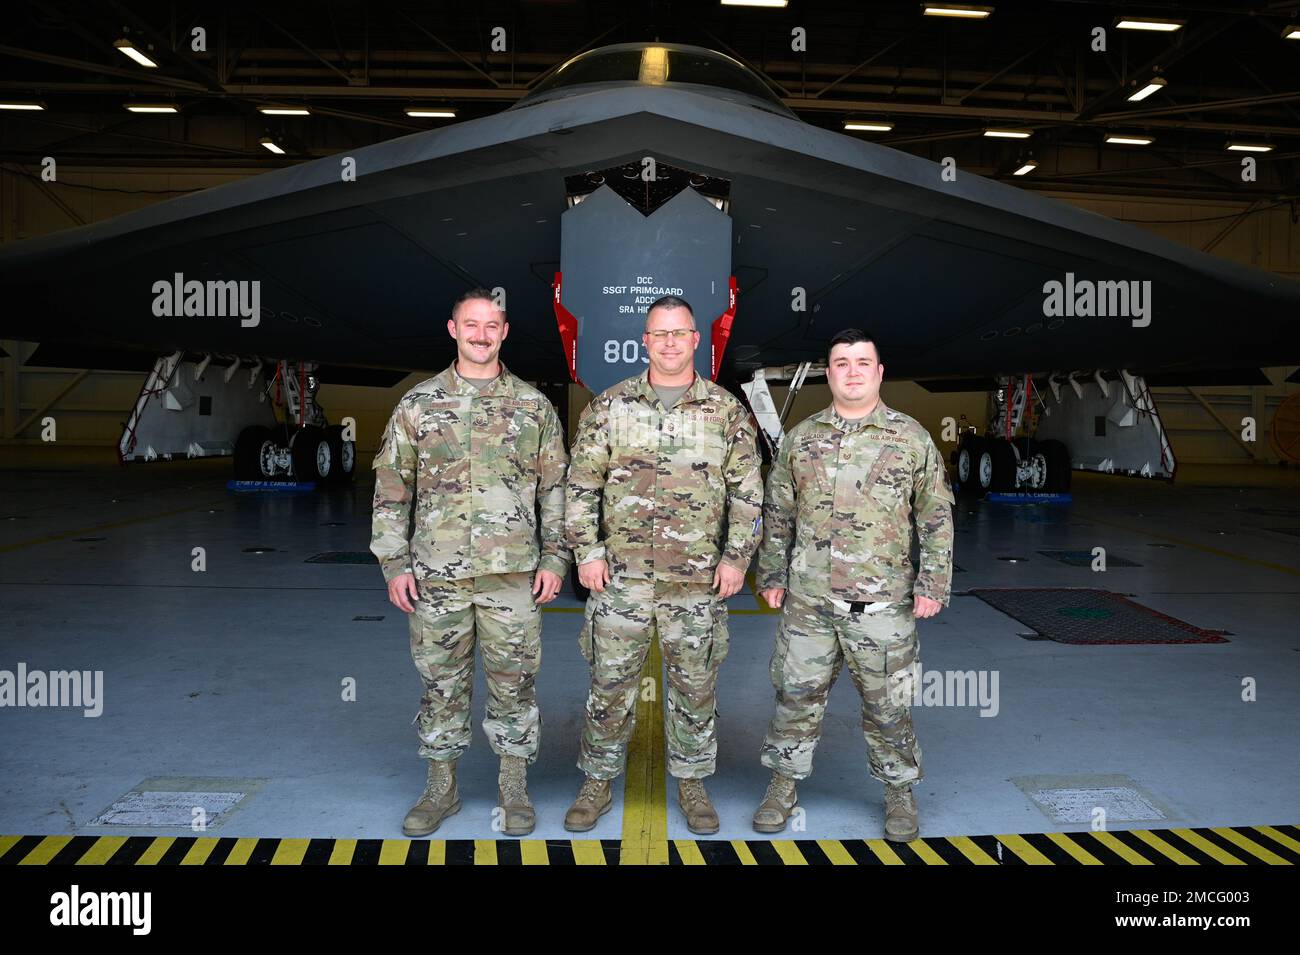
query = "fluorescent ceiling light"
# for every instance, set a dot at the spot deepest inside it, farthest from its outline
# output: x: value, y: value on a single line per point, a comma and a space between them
x: 755, y: 3
x: 127, y: 47
x: 284, y: 111
x: 431, y: 112
x: 1129, y: 140
x: 22, y: 106
x: 270, y: 144
x: 1292, y: 32
x: 1250, y: 147
x: 869, y: 125
x: 152, y: 107
x: 1148, y: 23
x: 1028, y: 167
x: 1007, y: 133
x: 961, y: 11
x: 1153, y: 84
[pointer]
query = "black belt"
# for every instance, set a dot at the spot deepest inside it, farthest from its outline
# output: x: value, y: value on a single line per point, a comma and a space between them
x: 857, y: 606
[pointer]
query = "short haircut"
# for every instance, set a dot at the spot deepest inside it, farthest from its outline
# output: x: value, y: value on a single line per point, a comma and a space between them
x: 671, y: 301
x: 851, y: 336
x: 475, y: 293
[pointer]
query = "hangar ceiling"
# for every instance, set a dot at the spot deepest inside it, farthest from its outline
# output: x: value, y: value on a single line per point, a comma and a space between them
x: 1229, y: 75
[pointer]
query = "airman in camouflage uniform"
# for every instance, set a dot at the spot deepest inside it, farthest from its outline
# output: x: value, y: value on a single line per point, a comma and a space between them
x: 663, y: 513
x: 467, y: 460
x: 842, y: 497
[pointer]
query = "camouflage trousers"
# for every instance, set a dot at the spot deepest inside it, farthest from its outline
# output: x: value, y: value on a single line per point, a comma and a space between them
x: 497, y: 612
x: 882, y: 651
x: 620, y: 622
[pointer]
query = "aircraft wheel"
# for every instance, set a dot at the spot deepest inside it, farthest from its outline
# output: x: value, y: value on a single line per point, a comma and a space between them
x: 313, y: 460
x: 968, y: 456
x: 1001, y: 458
x: 344, y: 454
x: 248, y: 453
x: 1059, y: 470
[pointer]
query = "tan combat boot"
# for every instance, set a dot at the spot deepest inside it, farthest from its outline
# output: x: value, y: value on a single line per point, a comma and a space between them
x: 900, y: 813
x: 700, y: 815
x: 593, y: 801
x: 439, y: 800
x: 512, y: 796
x: 778, y: 802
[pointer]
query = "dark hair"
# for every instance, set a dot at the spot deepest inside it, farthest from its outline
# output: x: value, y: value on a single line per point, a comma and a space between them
x: 484, y: 294
x: 671, y: 301
x: 851, y: 336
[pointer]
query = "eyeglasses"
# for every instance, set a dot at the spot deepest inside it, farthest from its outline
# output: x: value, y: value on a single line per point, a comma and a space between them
x: 679, y: 334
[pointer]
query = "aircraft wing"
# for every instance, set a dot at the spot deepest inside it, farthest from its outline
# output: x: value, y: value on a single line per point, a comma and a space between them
x: 949, y: 276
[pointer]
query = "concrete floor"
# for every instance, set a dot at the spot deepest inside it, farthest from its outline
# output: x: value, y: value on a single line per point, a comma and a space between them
x: 236, y: 672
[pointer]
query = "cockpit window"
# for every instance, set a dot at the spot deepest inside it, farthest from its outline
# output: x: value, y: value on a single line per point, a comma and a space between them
x: 658, y: 65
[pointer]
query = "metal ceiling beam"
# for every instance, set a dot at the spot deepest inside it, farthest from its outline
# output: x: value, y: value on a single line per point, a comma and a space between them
x: 155, y: 79
x: 204, y: 75
x: 1183, y: 44
x: 303, y: 46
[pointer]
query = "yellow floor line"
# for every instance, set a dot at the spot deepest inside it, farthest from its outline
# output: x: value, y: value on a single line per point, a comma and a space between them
x: 1073, y: 848
x: 789, y: 852
x: 1023, y: 849
x: 102, y: 850
x: 970, y: 850
x: 927, y: 854
x: 437, y: 853
x: 742, y: 852
x: 393, y: 852
x: 342, y: 852
x: 1209, y: 848
x: 1204, y: 548
x: 883, y: 852
x: 485, y: 852
x: 690, y: 852
x: 1130, y: 856
x: 1258, y: 851
x: 200, y: 851
x: 836, y: 852
x: 533, y: 852
x: 157, y: 849
x: 1269, y: 831
x: 7, y: 843
x: 46, y: 850
x: 588, y: 852
x: 240, y: 853
x: 290, y: 852
x: 52, y: 538
x: 645, y: 811
x: 1164, y: 848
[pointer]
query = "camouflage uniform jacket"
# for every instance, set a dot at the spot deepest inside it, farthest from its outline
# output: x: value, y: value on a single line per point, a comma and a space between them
x: 841, y: 496
x: 661, y: 494
x: 476, y: 464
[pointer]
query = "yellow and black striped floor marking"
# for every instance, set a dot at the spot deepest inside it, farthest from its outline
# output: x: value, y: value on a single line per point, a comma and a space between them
x: 1237, y: 845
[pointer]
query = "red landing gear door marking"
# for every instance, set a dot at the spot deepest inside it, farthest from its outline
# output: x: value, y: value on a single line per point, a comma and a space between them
x: 568, y: 326
x: 721, y: 330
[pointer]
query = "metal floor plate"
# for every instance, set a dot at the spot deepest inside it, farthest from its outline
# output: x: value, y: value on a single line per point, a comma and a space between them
x: 1086, y: 616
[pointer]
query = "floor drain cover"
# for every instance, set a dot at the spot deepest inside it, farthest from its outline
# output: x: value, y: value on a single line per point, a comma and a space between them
x: 170, y: 808
x: 343, y: 557
x: 1086, y: 616
x: 1120, y: 803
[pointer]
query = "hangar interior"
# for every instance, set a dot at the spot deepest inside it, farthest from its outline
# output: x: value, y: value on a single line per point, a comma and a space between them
x: 1164, y: 687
